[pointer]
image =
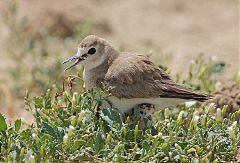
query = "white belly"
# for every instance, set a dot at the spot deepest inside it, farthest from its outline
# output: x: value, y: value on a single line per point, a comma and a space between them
x: 125, y: 105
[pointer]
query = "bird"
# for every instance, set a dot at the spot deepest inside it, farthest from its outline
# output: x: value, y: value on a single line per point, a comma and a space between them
x: 134, y: 79
x: 142, y: 115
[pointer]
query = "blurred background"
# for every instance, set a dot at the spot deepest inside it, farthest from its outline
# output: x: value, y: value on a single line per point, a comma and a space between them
x: 36, y: 36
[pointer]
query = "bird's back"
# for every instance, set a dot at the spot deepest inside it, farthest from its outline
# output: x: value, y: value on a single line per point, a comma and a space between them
x: 135, y: 76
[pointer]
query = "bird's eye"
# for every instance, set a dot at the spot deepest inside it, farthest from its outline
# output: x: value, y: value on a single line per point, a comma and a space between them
x: 141, y: 112
x: 92, y: 51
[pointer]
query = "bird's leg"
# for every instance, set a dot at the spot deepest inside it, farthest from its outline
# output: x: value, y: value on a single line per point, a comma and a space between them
x: 97, y: 109
x: 128, y: 115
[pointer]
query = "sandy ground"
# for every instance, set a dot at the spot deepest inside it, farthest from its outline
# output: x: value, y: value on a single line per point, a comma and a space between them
x: 181, y: 29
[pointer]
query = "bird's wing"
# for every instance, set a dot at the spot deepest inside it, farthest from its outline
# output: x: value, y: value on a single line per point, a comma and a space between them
x: 135, y: 76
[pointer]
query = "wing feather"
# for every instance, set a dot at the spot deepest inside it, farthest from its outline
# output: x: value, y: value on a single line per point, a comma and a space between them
x: 135, y: 76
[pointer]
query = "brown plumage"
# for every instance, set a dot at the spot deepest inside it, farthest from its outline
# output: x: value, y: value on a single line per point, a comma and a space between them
x: 228, y: 94
x: 134, y: 78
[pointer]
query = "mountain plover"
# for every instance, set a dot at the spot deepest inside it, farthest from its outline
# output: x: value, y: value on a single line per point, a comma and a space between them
x: 134, y: 78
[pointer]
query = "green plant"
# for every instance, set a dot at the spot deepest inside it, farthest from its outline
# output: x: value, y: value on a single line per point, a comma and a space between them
x: 202, y: 74
x: 70, y: 128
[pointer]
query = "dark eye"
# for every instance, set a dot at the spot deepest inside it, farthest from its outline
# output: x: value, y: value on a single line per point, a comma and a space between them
x: 141, y: 112
x: 92, y: 51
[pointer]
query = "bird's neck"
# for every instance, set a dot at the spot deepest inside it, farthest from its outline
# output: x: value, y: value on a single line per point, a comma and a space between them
x: 94, y: 76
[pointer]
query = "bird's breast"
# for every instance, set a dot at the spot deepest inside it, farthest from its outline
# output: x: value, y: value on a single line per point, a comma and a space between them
x: 92, y: 79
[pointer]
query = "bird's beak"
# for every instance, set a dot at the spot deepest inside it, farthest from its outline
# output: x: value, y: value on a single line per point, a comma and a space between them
x: 77, y: 58
x: 149, y: 117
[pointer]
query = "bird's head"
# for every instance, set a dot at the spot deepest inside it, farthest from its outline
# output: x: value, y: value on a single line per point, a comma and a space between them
x: 146, y: 111
x: 91, y: 52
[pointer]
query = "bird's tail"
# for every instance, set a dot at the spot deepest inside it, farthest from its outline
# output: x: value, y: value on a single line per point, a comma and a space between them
x: 178, y: 91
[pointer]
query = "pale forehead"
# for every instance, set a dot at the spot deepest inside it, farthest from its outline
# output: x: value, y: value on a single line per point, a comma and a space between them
x: 88, y: 41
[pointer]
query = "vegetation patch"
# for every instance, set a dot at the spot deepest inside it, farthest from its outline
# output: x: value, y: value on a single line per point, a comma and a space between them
x: 70, y: 128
